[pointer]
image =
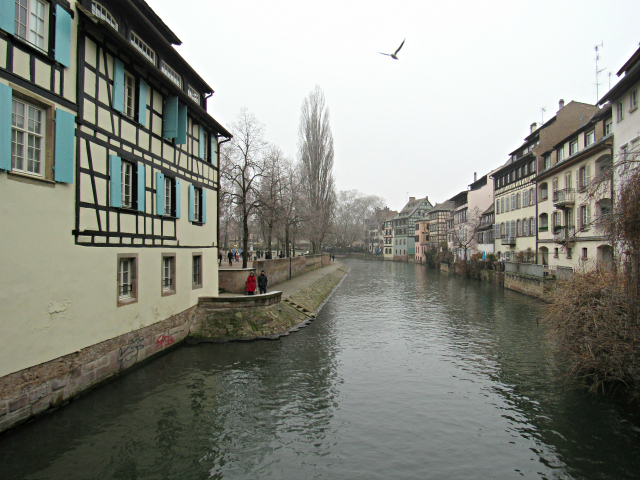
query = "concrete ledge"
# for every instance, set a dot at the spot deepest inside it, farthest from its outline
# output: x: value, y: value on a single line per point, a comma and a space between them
x: 233, y: 280
x: 244, y: 301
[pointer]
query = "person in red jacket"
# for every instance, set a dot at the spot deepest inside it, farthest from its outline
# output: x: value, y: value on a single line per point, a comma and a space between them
x: 251, y: 284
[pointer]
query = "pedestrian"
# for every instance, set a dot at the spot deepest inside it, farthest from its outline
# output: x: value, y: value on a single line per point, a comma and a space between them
x: 262, y: 282
x: 251, y: 284
x: 219, y: 257
x: 237, y: 254
x: 230, y: 257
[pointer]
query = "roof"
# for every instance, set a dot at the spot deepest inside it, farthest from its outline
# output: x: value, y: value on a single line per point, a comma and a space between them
x: 410, y: 208
x: 631, y: 70
x: 151, y: 16
x: 442, y: 207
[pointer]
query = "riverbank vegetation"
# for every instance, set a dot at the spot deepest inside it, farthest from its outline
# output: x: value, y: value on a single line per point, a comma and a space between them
x: 596, y: 313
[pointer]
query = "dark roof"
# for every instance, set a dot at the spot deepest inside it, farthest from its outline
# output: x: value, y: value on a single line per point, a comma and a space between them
x: 446, y: 206
x: 152, y: 17
x: 631, y: 70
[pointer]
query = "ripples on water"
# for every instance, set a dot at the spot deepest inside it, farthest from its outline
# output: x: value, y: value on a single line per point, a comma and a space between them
x: 406, y: 374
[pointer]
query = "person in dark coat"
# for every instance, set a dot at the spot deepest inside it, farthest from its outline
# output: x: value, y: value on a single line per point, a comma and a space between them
x: 230, y: 257
x: 262, y: 282
x: 219, y: 257
x: 251, y: 284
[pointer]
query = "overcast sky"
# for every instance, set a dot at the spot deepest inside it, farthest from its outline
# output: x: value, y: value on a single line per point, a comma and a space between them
x: 470, y: 79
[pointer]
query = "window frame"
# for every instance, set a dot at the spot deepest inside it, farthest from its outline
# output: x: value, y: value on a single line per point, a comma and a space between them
x: 590, y: 137
x: 44, y: 34
x: 560, y: 154
x: 143, y: 47
x: 44, y: 135
x: 171, y: 74
x: 620, y: 111
x: 132, y: 203
x: 573, y: 147
x: 196, y: 271
x: 101, y: 12
x: 132, y: 259
x: 193, y: 94
x: 169, y: 197
x: 197, y: 204
x: 129, y: 107
x: 168, y: 278
x: 633, y: 100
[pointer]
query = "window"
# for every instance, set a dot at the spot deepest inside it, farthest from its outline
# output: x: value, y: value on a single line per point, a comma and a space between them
x: 143, y: 48
x: 585, y: 217
x: 544, y: 222
x: 633, y: 100
x: 547, y: 161
x: 573, y: 147
x: 519, y: 223
x: 197, y: 205
x: 554, y: 185
x: 129, y: 95
x: 30, y: 23
x: 513, y: 202
x: 525, y: 198
x: 585, y: 253
x: 560, y: 154
x: 567, y: 180
x: 590, y: 137
x: 583, y: 177
x: 518, y: 200
x: 127, y: 279
x: 568, y: 252
x: 526, y: 169
x: 171, y: 74
x: 99, y: 11
x: 168, y: 274
x: 532, y: 166
x: 608, y: 127
x: 193, y: 94
x: 28, y: 138
x: 127, y: 185
x: 544, y: 191
x: 502, y: 205
x: 169, y: 198
x: 556, y: 251
x: 532, y: 196
x: 525, y: 227
x: 620, y: 111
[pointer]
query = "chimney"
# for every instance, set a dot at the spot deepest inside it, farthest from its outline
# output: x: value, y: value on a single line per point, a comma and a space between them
x: 561, y: 104
x: 534, y: 126
x: 475, y: 177
x: 412, y: 199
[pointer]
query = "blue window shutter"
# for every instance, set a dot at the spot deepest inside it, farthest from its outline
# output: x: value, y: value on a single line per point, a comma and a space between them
x: 62, y: 49
x: 118, y: 85
x: 115, y: 181
x: 181, y: 138
x: 142, y: 194
x: 170, y: 126
x: 214, y: 149
x: 6, y: 96
x: 65, y: 143
x: 191, y: 202
x: 201, y: 142
x: 159, y: 193
x: 7, y: 15
x: 142, y: 103
x: 178, y: 199
x: 204, y: 205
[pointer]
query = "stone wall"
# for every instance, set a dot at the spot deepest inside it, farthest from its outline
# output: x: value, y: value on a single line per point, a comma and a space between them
x: 530, y: 285
x: 279, y: 270
x: 34, y: 390
x: 492, y: 276
x: 225, y: 320
x: 233, y: 280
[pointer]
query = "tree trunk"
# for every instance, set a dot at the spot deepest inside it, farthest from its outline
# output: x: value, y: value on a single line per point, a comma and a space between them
x: 245, y: 238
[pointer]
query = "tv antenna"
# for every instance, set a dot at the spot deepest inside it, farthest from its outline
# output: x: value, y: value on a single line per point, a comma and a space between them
x: 542, y: 110
x: 598, y: 71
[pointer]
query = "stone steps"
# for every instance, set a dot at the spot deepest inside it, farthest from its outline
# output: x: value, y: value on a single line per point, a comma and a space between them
x: 299, y: 308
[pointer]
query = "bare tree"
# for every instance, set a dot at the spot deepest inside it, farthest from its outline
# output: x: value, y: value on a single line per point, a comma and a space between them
x: 465, y: 229
x: 351, y: 210
x: 242, y: 169
x: 316, y: 157
x: 271, y: 193
x: 292, y: 211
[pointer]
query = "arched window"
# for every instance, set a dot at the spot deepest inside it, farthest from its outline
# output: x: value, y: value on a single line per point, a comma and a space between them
x: 544, y: 222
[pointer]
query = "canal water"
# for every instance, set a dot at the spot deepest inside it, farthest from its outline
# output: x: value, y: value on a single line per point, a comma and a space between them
x: 406, y: 374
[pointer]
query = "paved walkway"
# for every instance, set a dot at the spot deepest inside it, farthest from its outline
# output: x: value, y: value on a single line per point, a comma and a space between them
x: 290, y: 287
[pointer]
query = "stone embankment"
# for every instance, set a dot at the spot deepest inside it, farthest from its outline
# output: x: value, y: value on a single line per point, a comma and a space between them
x: 42, y: 388
x: 294, y: 305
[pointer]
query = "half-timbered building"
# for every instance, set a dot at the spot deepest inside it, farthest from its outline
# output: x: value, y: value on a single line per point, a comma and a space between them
x: 108, y: 194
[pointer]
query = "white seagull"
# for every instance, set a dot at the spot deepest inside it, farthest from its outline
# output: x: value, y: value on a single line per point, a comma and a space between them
x: 394, y: 55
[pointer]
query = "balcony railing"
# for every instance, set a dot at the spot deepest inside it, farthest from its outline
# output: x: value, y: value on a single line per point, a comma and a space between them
x: 564, y: 197
x: 508, y: 240
x: 563, y: 234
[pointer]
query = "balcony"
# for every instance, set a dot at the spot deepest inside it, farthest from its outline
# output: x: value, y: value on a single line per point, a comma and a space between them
x: 564, y: 198
x: 564, y: 234
x: 508, y: 240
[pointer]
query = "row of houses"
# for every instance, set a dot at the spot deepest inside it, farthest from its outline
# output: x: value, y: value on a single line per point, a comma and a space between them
x: 543, y: 204
x: 108, y: 194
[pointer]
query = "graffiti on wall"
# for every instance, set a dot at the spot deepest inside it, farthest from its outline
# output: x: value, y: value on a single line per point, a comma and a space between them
x: 128, y: 354
x: 164, y: 341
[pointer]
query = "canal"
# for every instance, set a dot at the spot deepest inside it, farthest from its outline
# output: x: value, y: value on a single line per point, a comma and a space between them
x: 406, y: 374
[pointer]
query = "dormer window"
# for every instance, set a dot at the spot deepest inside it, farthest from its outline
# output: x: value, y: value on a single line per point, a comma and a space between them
x: 573, y: 147
x: 101, y: 12
x: 143, y: 48
x: 171, y: 74
x: 193, y: 94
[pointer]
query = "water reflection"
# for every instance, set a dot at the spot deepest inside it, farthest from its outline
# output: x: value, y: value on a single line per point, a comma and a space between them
x: 406, y: 373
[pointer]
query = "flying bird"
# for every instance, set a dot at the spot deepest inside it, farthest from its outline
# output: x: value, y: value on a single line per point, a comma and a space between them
x: 394, y: 55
